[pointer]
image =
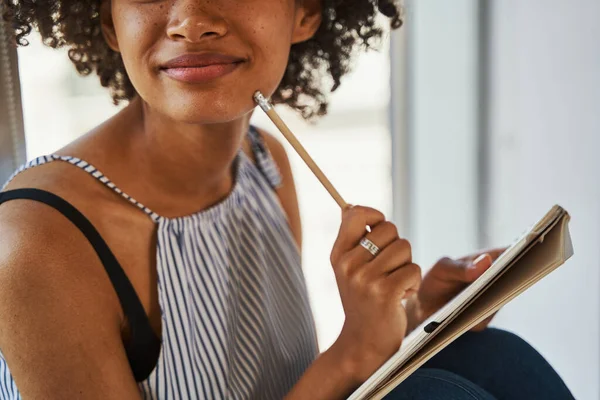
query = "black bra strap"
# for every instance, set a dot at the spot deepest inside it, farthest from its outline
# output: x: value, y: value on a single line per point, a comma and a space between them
x: 144, y: 347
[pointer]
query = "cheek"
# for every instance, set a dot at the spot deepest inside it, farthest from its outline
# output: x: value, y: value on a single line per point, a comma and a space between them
x: 137, y: 32
x: 270, y: 34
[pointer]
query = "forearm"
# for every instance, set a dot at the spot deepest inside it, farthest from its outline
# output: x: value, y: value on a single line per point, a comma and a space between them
x: 329, y: 377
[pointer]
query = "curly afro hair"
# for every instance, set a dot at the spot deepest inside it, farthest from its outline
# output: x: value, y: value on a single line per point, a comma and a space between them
x: 347, y: 26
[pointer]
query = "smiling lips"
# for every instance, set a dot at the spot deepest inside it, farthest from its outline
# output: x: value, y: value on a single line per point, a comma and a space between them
x: 200, y: 68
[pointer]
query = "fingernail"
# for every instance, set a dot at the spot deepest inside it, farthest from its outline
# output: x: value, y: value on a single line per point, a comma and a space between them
x: 480, y: 259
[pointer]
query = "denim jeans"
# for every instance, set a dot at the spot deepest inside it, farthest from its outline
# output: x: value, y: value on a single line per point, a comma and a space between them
x: 488, y: 365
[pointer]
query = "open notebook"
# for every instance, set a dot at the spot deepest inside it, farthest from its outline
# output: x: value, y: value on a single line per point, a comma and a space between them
x: 542, y: 249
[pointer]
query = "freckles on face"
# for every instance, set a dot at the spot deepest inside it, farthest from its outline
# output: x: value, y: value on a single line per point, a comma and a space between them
x: 254, y: 34
x: 138, y: 27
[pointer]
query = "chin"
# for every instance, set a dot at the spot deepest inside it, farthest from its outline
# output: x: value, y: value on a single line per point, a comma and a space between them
x: 211, y: 110
x: 206, y: 116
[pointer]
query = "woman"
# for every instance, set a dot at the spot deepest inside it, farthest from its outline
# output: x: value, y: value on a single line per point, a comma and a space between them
x: 158, y: 255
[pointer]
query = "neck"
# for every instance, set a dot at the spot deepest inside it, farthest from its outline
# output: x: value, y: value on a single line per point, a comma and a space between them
x: 183, y: 163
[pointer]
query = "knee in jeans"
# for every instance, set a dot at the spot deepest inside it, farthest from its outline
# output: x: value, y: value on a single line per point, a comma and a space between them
x: 436, y: 384
x: 504, y: 340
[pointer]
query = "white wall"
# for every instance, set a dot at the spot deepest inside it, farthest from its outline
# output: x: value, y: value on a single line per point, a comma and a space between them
x: 544, y: 147
x: 442, y: 75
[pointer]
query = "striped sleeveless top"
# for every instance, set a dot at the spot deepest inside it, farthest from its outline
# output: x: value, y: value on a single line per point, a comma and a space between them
x: 236, y: 320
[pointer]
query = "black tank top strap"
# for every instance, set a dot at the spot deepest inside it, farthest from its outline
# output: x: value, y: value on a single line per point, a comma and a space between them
x: 143, y: 348
x: 91, y: 170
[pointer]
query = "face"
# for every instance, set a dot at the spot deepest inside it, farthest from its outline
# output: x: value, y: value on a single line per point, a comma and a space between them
x: 200, y: 61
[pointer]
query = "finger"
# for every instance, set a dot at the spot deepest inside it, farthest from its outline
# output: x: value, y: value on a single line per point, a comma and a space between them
x: 448, y: 269
x: 494, y: 253
x: 404, y: 281
x: 381, y: 235
x: 461, y: 270
x: 395, y: 255
x: 353, y: 228
x: 478, y: 267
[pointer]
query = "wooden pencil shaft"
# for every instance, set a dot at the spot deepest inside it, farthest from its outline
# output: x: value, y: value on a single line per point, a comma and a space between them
x: 306, y: 157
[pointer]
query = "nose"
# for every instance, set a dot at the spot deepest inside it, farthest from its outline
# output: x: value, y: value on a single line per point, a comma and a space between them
x: 193, y: 23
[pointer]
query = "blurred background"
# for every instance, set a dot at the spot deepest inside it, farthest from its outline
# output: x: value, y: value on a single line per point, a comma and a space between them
x: 469, y: 124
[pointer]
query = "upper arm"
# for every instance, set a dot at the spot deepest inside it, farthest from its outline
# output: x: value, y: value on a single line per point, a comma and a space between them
x: 287, y: 190
x: 59, y: 323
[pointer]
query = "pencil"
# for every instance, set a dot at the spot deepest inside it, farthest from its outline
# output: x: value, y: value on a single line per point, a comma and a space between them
x: 291, y: 138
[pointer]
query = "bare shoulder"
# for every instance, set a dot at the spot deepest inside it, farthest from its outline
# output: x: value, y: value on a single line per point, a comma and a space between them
x: 32, y: 232
x: 56, y: 301
x: 287, y: 191
x: 38, y: 241
x: 41, y: 254
x: 25, y: 217
x: 55, y: 307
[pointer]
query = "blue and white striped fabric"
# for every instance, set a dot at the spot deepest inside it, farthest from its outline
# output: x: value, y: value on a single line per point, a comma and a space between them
x: 236, y: 321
